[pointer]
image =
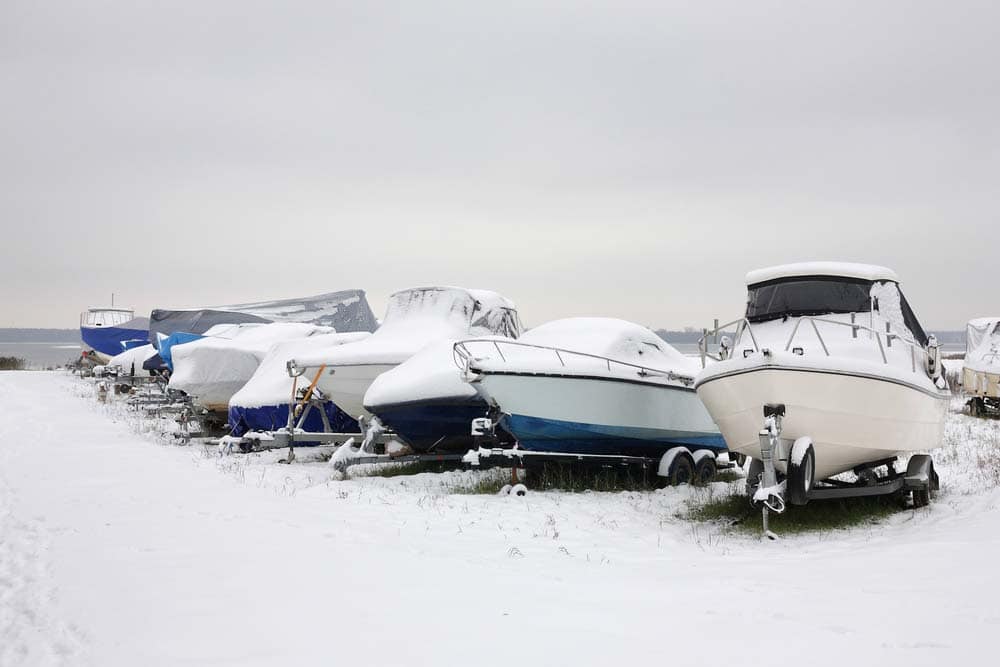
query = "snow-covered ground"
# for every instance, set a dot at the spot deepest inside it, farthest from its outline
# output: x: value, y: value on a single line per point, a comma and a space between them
x: 117, y: 549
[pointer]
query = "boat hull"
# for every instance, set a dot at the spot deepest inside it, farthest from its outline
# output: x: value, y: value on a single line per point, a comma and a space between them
x: 110, y: 341
x: 243, y: 419
x: 434, y: 425
x: 852, y: 419
x: 346, y: 385
x: 594, y: 415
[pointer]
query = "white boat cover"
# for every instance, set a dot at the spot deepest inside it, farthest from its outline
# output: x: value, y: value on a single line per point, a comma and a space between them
x: 416, y: 317
x: 982, y: 345
x: 135, y: 355
x: 271, y: 384
x: 213, y: 368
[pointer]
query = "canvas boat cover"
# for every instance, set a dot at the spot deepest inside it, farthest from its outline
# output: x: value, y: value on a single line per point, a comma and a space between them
x: 344, y: 311
x: 982, y: 345
x: 418, y: 316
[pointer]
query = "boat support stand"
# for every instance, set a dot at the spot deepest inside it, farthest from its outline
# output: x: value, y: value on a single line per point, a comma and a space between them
x: 770, y: 493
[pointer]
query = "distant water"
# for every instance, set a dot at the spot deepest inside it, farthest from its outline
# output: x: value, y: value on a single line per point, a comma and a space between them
x: 42, y: 355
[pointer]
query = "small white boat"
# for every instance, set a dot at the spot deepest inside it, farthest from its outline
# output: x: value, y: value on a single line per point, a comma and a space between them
x: 849, y: 374
x: 414, y: 318
x: 592, y: 386
x: 981, y: 368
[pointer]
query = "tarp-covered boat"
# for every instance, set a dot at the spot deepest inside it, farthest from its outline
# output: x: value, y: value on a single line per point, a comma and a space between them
x: 262, y: 403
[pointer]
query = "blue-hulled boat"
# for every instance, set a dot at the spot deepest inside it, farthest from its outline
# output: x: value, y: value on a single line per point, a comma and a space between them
x: 426, y: 403
x: 262, y: 403
x: 592, y: 386
x: 111, y: 331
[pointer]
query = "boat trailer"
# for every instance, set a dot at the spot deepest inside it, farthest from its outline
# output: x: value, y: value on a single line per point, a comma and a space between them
x: 678, y: 466
x: 798, y: 486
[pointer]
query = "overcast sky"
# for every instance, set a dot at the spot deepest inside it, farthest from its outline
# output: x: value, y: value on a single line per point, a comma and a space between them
x: 582, y: 158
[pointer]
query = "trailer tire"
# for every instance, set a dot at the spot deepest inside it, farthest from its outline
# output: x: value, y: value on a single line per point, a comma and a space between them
x: 921, y: 498
x: 801, y: 471
x: 704, y: 471
x: 681, y: 470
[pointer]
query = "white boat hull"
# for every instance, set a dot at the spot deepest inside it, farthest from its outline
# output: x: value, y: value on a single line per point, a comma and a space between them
x: 852, y: 419
x: 346, y: 385
x: 579, y: 414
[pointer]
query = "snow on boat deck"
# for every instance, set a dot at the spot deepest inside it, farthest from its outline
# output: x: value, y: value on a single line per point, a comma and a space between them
x: 116, y: 550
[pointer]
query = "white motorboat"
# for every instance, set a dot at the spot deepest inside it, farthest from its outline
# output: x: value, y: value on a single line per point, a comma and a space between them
x: 981, y: 368
x: 414, y: 318
x: 832, y: 361
x: 594, y: 387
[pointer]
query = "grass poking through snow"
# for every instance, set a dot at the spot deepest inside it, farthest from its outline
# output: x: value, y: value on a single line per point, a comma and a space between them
x: 732, y: 507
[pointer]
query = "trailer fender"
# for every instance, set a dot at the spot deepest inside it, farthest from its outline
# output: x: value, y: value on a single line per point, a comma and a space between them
x: 699, y: 454
x: 668, y: 459
x: 920, y: 473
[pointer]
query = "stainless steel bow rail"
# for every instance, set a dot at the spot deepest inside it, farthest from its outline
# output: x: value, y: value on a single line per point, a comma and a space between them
x: 930, y: 356
x: 464, y: 358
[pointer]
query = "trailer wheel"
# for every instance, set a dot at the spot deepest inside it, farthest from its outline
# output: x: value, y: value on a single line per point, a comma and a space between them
x: 921, y: 498
x: 519, y: 490
x: 801, y: 471
x: 704, y: 471
x: 681, y: 470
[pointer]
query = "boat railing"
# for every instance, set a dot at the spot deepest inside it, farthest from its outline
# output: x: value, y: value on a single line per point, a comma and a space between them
x: 464, y: 358
x: 875, y: 334
x: 744, y: 325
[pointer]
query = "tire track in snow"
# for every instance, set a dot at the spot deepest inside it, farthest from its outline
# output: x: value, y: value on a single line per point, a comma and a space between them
x: 31, y: 632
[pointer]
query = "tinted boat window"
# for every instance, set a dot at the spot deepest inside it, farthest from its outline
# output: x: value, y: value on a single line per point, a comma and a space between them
x: 795, y: 297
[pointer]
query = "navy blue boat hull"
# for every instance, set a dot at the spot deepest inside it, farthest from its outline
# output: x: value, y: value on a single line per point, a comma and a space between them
x: 433, y: 426
x: 272, y: 417
x: 552, y: 435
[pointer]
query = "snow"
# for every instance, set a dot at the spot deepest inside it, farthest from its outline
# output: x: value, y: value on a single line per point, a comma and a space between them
x: 270, y: 383
x: 601, y: 337
x: 838, y: 269
x: 428, y: 375
x: 416, y: 317
x: 116, y: 549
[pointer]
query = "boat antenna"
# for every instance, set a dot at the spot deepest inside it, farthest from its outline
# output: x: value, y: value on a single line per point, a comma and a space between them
x: 112, y: 299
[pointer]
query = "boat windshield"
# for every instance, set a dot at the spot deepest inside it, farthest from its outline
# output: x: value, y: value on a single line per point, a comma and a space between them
x: 797, y: 297
x: 105, y: 317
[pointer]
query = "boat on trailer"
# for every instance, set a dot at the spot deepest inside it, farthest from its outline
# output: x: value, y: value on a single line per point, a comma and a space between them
x: 414, y: 318
x: 265, y: 402
x: 829, y: 372
x: 427, y: 403
x: 212, y: 368
x: 981, y: 368
x: 111, y: 331
x: 605, y: 388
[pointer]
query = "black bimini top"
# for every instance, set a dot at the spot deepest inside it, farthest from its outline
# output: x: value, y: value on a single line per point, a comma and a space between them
x: 800, y: 296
